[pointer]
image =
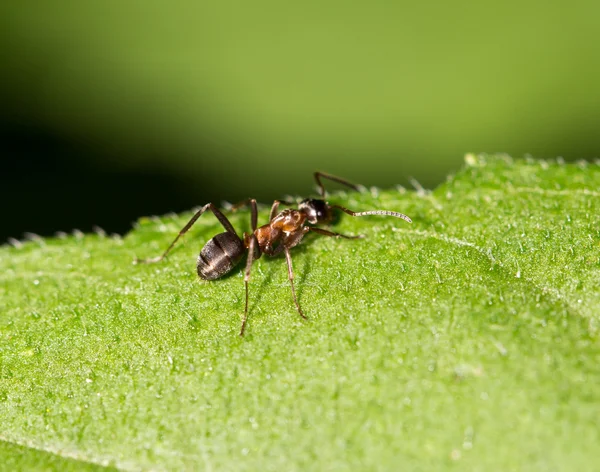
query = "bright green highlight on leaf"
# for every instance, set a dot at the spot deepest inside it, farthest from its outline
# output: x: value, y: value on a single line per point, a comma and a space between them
x: 466, y: 340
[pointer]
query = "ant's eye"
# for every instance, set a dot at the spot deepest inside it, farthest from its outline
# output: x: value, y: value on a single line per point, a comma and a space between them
x: 320, y: 209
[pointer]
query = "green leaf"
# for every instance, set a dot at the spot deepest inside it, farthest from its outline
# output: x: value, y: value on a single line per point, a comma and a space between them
x: 467, y: 339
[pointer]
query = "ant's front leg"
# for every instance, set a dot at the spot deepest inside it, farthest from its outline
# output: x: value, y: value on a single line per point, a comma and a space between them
x: 288, y: 258
x: 209, y: 206
x: 289, y: 241
x: 324, y: 232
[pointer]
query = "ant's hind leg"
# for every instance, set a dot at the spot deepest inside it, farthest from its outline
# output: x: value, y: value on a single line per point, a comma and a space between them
x: 209, y: 206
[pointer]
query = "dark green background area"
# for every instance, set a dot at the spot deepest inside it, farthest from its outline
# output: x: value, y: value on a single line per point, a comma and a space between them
x: 112, y: 109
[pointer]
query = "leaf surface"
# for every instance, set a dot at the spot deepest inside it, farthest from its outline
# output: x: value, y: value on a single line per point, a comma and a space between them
x: 467, y: 339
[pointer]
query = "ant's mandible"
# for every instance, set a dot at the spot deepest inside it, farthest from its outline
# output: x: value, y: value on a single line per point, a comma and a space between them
x: 284, y: 230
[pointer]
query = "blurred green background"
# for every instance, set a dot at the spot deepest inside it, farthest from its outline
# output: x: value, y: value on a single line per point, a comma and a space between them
x: 114, y: 109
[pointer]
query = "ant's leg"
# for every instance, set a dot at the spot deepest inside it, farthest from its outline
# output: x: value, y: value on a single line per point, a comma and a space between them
x: 235, y: 207
x: 274, y: 210
x: 333, y: 178
x: 275, y: 207
x: 373, y: 212
x: 252, y: 248
x: 250, y: 260
x: 324, y: 232
x: 209, y: 206
x: 251, y: 202
x: 253, y: 214
x: 291, y: 279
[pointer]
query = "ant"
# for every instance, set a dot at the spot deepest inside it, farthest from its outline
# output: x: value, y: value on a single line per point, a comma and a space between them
x: 284, y: 230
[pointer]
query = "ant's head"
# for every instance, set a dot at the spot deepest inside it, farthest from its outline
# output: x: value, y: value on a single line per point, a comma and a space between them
x: 316, y: 211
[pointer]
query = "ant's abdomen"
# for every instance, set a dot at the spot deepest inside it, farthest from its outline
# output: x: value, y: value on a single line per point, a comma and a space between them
x: 221, y: 254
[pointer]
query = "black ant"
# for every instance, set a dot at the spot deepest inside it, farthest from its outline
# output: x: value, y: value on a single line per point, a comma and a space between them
x: 284, y: 231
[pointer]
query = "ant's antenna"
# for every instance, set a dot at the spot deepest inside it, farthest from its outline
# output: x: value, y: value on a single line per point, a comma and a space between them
x: 373, y: 212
